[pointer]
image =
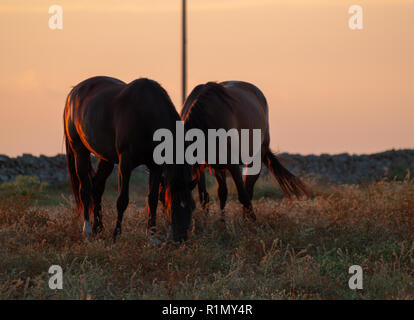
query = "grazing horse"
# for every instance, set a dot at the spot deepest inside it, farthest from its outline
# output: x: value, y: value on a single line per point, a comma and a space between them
x: 239, y: 105
x: 116, y: 122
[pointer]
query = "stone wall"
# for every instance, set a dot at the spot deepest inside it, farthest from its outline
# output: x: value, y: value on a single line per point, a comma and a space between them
x: 341, y: 168
x: 52, y: 170
x: 350, y: 169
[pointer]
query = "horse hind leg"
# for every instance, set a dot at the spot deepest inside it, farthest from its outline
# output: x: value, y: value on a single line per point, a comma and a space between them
x: 98, y: 184
x: 242, y: 193
x: 202, y: 191
x: 249, y: 182
x: 153, y: 196
x: 83, y: 172
x: 221, y: 190
x: 251, y: 179
x: 124, y: 174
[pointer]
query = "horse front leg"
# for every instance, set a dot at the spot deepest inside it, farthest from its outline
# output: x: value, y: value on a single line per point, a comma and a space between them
x: 82, y: 170
x: 221, y: 190
x: 124, y: 174
x: 153, y: 196
x: 98, y: 185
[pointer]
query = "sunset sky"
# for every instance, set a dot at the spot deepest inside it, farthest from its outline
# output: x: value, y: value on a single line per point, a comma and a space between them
x: 330, y: 89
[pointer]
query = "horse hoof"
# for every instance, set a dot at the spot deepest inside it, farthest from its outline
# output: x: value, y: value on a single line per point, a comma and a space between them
x: 97, y: 228
x: 87, y: 230
x: 222, y: 215
x: 169, y: 233
x: 155, y: 241
x: 249, y: 214
x: 205, y: 207
x: 115, y: 245
x: 117, y: 232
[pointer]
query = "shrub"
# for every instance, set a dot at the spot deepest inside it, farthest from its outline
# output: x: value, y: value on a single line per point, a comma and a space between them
x: 23, y: 186
x: 399, y: 171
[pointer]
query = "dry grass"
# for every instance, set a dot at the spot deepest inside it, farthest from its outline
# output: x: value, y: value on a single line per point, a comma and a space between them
x: 294, y: 251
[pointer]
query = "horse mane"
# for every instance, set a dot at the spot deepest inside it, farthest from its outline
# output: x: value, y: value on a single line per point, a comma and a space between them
x: 199, y: 101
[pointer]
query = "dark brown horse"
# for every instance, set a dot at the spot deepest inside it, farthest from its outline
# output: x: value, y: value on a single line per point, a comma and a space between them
x: 239, y: 105
x: 116, y: 122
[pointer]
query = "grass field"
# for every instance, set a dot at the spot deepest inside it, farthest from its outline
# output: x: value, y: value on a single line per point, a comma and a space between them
x: 299, y: 250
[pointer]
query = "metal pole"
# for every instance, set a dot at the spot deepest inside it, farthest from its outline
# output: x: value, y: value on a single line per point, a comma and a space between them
x: 184, y: 50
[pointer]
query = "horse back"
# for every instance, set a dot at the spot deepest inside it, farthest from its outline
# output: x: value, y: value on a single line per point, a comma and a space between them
x: 228, y: 105
x: 144, y: 107
x: 108, y: 117
x: 250, y: 100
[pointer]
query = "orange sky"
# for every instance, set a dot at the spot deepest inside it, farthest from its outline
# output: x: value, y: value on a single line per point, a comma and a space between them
x: 330, y: 89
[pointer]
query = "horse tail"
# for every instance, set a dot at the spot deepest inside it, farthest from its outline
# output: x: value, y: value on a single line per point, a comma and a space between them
x: 288, y: 182
x: 73, y: 176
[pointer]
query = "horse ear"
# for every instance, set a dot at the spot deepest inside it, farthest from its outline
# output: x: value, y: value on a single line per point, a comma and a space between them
x: 193, y: 184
